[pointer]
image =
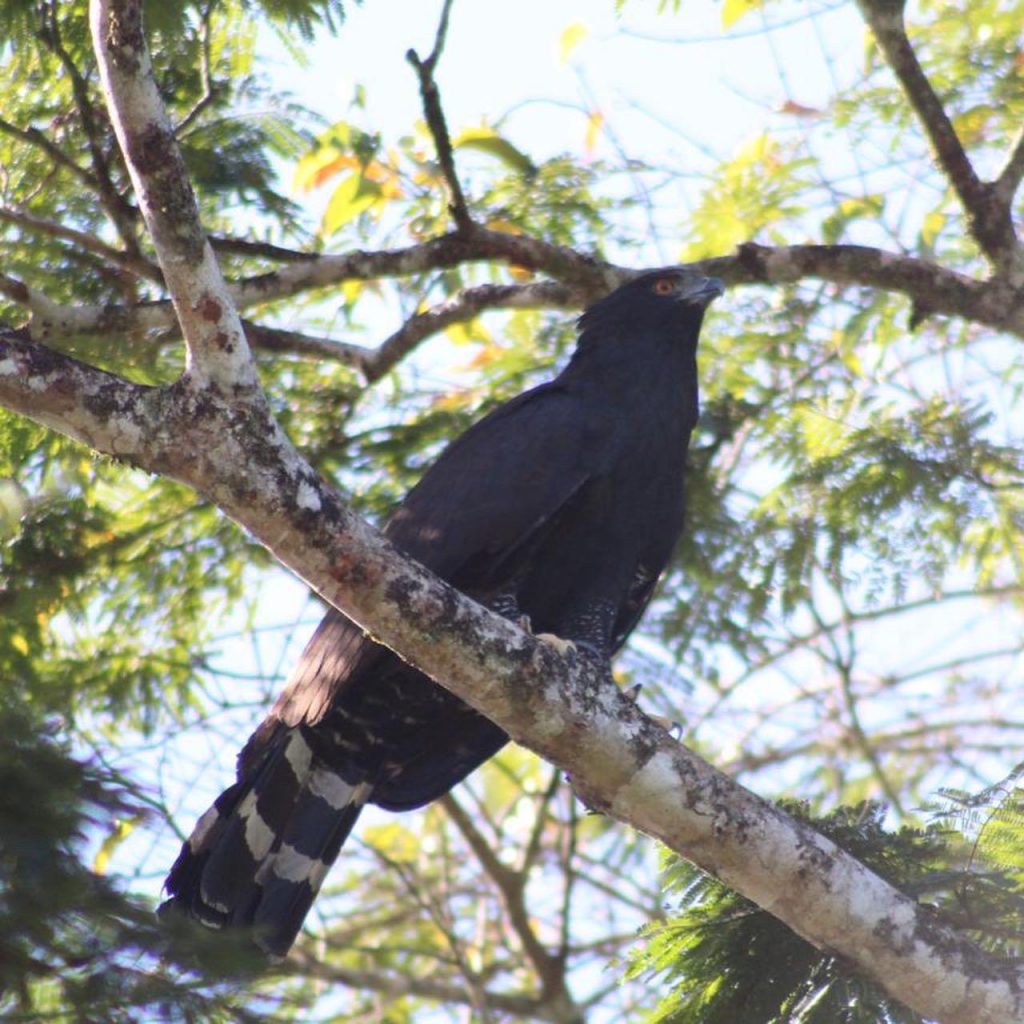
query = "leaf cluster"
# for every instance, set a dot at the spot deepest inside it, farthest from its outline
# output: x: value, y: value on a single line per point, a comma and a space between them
x: 725, y: 959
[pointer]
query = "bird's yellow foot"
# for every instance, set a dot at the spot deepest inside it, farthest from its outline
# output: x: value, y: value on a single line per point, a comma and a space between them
x: 563, y: 647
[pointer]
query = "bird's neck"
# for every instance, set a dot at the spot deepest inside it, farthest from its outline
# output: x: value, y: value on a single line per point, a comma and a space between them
x: 631, y: 371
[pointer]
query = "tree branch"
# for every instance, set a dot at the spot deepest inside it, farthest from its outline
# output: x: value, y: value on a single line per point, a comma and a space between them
x: 524, y: 1007
x: 133, y: 263
x: 930, y: 287
x: 989, y: 216
x: 117, y: 207
x: 218, y: 352
x: 511, y: 884
x: 565, y: 709
x: 105, y: 412
x: 1009, y: 178
x: 34, y: 137
x: 464, y: 306
x: 433, y: 112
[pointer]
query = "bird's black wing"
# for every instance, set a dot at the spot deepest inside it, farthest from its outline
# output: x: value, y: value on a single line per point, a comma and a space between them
x: 481, y: 506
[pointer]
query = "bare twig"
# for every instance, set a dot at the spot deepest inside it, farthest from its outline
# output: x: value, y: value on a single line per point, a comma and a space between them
x: 133, y: 263
x: 120, y: 211
x: 989, y: 216
x: 275, y: 339
x: 1009, y: 178
x: 264, y: 250
x: 34, y: 137
x: 512, y: 886
x: 522, y: 1007
x: 434, y: 114
x: 206, y: 98
x: 464, y: 306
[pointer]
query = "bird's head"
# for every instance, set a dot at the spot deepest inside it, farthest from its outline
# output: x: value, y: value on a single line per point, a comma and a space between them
x: 660, y: 298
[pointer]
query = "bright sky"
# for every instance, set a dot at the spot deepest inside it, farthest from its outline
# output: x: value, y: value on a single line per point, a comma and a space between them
x: 687, y: 106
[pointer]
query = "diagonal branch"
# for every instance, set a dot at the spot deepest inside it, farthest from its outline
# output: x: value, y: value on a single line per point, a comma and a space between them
x: 989, y: 216
x: 433, y: 112
x: 218, y: 352
x: 117, y: 207
x: 565, y: 709
x: 1009, y: 178
x: 511, y: 884
x: 520, y: 1007
x: 134, y: 263
x: 34, y: 137
x: 464, y: 306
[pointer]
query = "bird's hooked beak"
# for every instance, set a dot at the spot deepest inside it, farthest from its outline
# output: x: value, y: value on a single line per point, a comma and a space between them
x: 701, y: 291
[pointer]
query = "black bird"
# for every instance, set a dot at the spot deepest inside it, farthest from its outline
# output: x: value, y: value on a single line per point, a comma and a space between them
x: 563, y: 506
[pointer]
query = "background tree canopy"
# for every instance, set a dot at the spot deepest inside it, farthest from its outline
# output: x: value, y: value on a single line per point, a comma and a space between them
x: 841, y: 624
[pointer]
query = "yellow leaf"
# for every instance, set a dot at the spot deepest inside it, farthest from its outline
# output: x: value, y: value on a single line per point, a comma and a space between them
x: 931, y: 225
x: 467, y: 331
x: 351, y: 290
x: 393, y: 840
x: 19, y: 643
x: 313, y: 170
x: 595, y: 122
x: 505, y: 226
x: 487, y: 140
x: 824, y: 436
x: 972, y: 125
x: 733, y: 10
x: 571, y: 38
x: 123, y: 827
x: 353, y: 196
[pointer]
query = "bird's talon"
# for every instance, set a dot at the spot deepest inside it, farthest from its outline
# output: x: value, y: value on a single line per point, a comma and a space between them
x: 670, y: 725
x: 563, y: 647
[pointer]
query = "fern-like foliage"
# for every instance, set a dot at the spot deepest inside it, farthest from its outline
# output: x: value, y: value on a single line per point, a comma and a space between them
x: 726, y: 960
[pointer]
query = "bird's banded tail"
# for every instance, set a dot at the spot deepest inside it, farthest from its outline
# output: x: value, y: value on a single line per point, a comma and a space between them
x: 258, y: 856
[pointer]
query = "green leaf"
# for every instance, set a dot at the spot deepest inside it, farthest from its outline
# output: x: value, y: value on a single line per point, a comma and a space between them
x: 353, y: 196
x: 861, y: 207
x: 486, y: 140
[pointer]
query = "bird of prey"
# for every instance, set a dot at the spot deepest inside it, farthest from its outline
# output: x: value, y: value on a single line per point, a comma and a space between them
x: 560, y: 508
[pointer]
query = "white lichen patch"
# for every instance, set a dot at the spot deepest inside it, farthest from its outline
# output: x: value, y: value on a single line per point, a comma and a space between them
x: 656, y: 780
x: 125, y: 435
x: 307, y: 497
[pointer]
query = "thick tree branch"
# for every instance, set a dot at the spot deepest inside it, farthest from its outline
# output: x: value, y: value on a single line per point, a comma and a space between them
x: 989, y: 215
x: 433, y: 112
x: 932, y: 289
x: 567, y: 710
x: 218, y: 352
x: 105, y: 412
x: 222, y: 441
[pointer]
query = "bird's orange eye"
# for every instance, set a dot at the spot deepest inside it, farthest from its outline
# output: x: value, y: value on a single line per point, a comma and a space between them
x: 664, y: 286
